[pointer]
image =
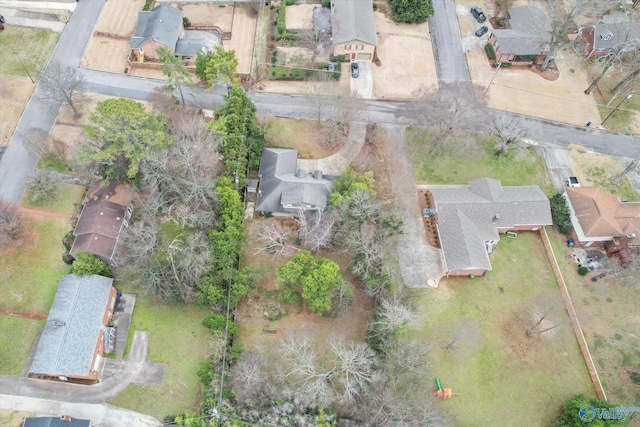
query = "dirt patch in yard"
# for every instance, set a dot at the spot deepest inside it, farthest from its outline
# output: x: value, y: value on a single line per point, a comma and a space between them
x: 406, y: 57
x: 15, y: 92
x: 105, y: 54
x: 300, y: 16
x: 119, y: 17
x: 209, y: 14
x: 306, y: 136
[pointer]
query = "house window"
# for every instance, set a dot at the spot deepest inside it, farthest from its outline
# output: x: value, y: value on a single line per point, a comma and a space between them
x: 359, y: 47
x: 347, y: 47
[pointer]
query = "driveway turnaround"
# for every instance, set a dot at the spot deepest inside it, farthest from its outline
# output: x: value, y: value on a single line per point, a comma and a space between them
x: 102, y: 415
x: 338, y: 162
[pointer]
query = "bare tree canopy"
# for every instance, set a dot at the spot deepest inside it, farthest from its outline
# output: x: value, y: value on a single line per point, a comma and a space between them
x: 36, y: 141
x: 510, y: 134
x: 11, y: 225
x: 62, y: 84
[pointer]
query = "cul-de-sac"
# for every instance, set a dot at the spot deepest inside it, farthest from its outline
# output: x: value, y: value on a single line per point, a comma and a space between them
x: 319, y: 213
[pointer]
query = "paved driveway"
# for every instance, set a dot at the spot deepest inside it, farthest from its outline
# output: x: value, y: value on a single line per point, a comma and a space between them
x: 451, y: 63
x: 559, y: 166
x: 362, y: 87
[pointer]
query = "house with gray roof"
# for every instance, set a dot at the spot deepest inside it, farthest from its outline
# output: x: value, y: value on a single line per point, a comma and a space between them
x: 353, y: 29
x: 62, y: 421
x: 526, y: 40
x: 615, y: 30
x: 77, y: 330
x: 285, y: 189
x: 471, y: 218
x: 162, y: 26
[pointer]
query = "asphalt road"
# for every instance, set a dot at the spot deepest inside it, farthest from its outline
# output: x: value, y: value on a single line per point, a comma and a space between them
x: 17, y: 163
x: 451, y: 64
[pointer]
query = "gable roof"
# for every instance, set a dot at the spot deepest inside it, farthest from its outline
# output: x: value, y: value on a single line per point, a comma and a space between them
x: 55, y: 422
x: 529, y: 33
x: 281, y: 183
x: 73, y: 326
x: 101, y: 221
x: 162, y: 24
x: 600, y: 214
x: 466, y: 218
x: 353, y: 20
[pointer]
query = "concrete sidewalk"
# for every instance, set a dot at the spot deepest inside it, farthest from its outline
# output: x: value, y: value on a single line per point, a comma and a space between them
x: 103, y: 415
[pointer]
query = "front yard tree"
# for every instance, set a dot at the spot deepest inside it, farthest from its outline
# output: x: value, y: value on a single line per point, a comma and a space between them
x: 121, y: 135
x: 544, y: 315
x: 36, y: 141
x: 62, y: 84
x: 217, y: 67
x: 617, y: 54
x: 176, y: 72
x: 510, y: 134
x: 571, y: 411
x: 11, y: 225
x: 41, y: 187
x: 411, y: 11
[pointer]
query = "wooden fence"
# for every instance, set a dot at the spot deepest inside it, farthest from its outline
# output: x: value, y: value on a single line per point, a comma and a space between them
x: 575, y: 323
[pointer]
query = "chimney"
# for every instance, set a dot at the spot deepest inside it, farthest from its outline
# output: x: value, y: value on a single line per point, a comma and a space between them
x: 317, y: 175
x: 495, y: 218
x: 65, y: 418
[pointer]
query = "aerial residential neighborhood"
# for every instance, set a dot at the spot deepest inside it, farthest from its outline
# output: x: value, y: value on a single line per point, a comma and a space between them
x: 319, y: 213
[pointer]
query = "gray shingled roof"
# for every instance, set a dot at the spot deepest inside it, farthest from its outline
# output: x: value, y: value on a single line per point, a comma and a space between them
x: 279, y: 183
x: 465, y: 218
x: 353, y: 20
x: 608, y: 35
x: 68, y: 349
x: 162, y: 24
x: 529, y: 33
x: 188, y: 46
x: 55, y: 422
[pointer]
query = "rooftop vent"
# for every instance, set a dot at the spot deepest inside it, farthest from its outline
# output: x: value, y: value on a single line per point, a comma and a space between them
x: 58, y: 323
x: 300, y: 173
x: 631, y: 236
x: 317, y: 175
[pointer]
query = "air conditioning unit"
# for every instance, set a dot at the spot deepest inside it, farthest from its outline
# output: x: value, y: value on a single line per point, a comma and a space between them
x: 631, y: 236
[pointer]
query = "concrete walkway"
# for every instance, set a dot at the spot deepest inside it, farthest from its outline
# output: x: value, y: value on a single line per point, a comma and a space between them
x: 338, y: 162
x: 421, y: 264
x: 18, y: 18
x: 102, y: 415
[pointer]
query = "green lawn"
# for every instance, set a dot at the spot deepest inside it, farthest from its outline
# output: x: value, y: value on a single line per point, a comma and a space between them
x: 504, y: 378
x: 456, y: 163
x: 32, y: 46
x: 605, y: 313
x: 29, y: 275
x: 65, y: 200
x: 16, y: 335
x: 177, y: 339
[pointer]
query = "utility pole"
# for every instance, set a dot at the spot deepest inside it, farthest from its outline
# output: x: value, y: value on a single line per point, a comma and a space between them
x: 25, y: 69
x: 616, y: 108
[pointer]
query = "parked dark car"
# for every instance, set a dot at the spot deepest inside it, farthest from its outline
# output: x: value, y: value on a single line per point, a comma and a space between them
x: 478, y: 14
x: 355, y: 70
x: 1, y: 19
x: 481, y: 31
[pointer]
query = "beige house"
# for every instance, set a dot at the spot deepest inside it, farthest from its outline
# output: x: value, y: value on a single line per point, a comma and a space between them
x: 353, y: 29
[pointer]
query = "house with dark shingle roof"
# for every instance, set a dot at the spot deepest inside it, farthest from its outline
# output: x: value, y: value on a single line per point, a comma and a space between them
x: 62, y: 421
x: 77, y: 331
x: 527, y: 38
x: 285, y: 189
x: 161, y: 26
x: 612, y: 31
x: 601, y: 219
x: 104, y: 216
x: 353, y: 29
x: 471, y: 218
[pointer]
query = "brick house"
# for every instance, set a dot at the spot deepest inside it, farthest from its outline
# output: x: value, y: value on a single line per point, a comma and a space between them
x: 161, y: 26
x: 77, y: 330
x: 597, y: 40
x: 526, y: 40
x: 471, y: 218
x: 104, y: 216
x: 600, y: 219
x: 353, y: 29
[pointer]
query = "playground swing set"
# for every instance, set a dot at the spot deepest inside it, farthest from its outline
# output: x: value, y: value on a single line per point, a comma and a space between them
x: 444, y: 393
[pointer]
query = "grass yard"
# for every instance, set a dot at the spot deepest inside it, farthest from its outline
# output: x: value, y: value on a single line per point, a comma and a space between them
x: 17, y: 335
x: 11, y: 418
x: 32, y: 46
x: 29, y: 276
x: 600, y: 170
x: 458, y: 163
x: 608, y: 313
x: 304, y: 135
x: 178, y: 339
x: 505, y: 378
x: 64, y: 201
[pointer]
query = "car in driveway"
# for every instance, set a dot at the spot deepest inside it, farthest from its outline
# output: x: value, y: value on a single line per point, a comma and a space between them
x: 355, y: 70
x: 482, y: 31
x: 478, y: 14
x: 572, y: 181
x: 1, y: 19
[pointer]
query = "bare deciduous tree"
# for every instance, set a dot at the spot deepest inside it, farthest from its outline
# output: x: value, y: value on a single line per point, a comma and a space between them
x: 36, y: 141
x: 510, y: 134
x: 617, y: 54
x: 11, y: 225
x: 315, y: 228
x: 62, y: 84
x: 463, y: 336
x: 277, y: 239
x: 544, y: 315
x: 41, y: 187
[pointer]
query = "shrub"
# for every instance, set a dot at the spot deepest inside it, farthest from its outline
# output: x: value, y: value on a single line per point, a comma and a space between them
x: 491, y: 53
x: 186, y: 22
x: 67, y: 258
x: 583, y: 271
x: 216, y: 323
x: 571, y: 410
x: 560, y: 213
x: 147, y: 4
x: 86, y: 264
x: 290, y: 2
x: 326, y: 3
x: 67, y: 240
x: 505, y: 64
